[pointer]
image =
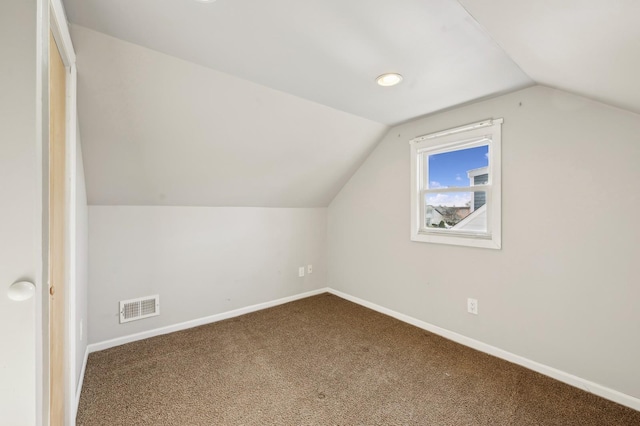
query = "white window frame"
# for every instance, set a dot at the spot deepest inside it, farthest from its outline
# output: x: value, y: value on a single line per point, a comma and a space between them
x: 487, y: 132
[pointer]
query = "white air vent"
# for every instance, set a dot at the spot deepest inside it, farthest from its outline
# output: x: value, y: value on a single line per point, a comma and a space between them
x: 142, y: 307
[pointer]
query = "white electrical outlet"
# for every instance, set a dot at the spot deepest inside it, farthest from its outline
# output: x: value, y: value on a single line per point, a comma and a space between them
x: 472, y: 306
x: 309, y: 269
x: 301, y: 271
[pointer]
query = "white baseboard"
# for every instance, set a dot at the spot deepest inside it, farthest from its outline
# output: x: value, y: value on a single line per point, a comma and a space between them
x: 586, y: 385
x: 594, y: 388
x: 94, y: 347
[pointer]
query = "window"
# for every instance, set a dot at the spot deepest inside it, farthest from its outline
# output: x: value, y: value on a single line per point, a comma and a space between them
x: 455, y: 186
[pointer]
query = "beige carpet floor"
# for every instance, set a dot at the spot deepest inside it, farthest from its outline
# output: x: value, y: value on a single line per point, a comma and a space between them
x: 324, y: 361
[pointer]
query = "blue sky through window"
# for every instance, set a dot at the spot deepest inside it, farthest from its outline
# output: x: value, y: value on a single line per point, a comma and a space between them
x: 450, y: 168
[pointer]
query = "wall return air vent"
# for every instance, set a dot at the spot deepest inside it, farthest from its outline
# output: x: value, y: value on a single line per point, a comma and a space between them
x: 142, y: 307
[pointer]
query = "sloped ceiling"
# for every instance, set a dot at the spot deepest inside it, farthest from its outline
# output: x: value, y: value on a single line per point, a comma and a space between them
x: 273, y: 103
x: 589, y: 47
x: 326, y: 51
x: 157, y: 130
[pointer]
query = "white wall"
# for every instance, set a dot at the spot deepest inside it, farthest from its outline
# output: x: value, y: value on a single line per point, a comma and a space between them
x: 18, y: 216
x: 563, y: 291
x: 82, y: 261
x: 200, y: 260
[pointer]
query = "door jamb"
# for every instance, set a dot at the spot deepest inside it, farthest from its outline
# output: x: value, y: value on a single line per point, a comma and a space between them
x: 51, y: 17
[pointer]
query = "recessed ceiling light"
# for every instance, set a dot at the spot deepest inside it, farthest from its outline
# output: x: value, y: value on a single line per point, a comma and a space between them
x: 389, y: 79
x: 205, y: 1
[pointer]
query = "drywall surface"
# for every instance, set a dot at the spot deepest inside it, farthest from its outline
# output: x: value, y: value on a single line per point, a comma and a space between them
x: 200, y: 260
x: 18, y: 216
x: 82, y: 261
x: 158, y: 130
x: 563, y: 290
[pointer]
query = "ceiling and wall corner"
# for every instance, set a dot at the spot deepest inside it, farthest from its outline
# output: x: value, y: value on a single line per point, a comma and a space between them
x: 327, y: 51
x: 591, y: 48
x: 245, y: 103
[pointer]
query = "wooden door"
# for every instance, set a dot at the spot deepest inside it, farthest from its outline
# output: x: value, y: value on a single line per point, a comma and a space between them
x: 57, y: 189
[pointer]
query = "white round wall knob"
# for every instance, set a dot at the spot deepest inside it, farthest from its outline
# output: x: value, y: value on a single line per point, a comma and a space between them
x: 22, y: 290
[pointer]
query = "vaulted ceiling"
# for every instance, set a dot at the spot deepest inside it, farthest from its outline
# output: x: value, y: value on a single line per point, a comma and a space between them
x: 588, y: 47
x: 274, y: 103
x: 158, y: 130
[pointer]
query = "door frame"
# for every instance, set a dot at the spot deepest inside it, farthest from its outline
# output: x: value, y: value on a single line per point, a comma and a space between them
x: 51, y: 17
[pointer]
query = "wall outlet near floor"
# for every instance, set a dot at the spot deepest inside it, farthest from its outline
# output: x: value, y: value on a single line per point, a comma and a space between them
x: 301, y: 271
x: 309, y: 269
x: 472, y: 306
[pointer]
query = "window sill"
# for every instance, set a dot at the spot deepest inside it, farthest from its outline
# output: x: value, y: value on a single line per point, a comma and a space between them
x: 491, y: 242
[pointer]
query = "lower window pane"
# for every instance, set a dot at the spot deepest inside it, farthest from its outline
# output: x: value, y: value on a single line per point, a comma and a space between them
x: 462, y: 211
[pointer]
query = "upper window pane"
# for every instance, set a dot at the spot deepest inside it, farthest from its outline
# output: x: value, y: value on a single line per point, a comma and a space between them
x: 456, y: 168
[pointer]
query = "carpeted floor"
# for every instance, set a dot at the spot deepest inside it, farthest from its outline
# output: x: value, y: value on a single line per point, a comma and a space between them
x: 324, y: 361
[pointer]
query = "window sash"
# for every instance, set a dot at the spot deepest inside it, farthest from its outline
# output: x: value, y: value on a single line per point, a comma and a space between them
x: 424, y: 153
x: 424, y: 230
x: 477, y: 188
x: 423, y: 156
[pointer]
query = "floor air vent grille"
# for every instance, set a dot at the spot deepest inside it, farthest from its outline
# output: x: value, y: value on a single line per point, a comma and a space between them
x: 142, y: 307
